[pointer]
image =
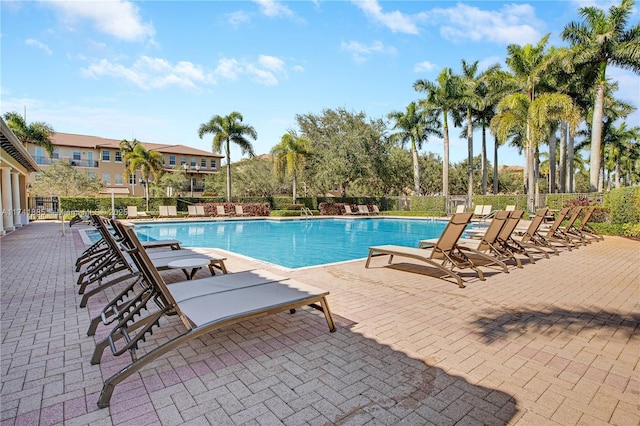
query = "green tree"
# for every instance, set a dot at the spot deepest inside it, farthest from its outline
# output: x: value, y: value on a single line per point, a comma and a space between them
x: 148, y: 162
x: 61, y: 178
x: 38, y: 133
x: 442, y: 97
x: 227, y: 129
x: 176, y: 180
x: 414, y: 125
x: 290, y: 156
x: 602, y: 39
x: 344, y: 146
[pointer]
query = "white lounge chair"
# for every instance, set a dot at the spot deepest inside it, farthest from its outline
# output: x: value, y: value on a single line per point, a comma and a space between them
x: 133, y: 213
x: 240, y: 211
x: 220, y: 211
x: 202, y: 306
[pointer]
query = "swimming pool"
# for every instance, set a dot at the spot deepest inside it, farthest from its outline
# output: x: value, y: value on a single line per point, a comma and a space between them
x: 296, y: 243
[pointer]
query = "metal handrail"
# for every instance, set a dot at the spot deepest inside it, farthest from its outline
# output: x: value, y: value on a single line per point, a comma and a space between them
x: 306, y: 212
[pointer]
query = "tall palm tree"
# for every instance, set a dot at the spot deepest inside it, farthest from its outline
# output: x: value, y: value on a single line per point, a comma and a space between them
x: 38, y: 133
x: 529, y: 65
x: 442, y: 98
x: 146, y: 161
x: 620, y: 142
x: 289, y: 156
x: 227, y: 129
x: 469, y: 100
x: 478, y: 100
x: 414, y: 125
x: 531, y: 120
x: 602, y: 39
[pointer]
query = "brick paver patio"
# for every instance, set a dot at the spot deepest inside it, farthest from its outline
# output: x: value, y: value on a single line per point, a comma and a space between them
x: 553, y: 343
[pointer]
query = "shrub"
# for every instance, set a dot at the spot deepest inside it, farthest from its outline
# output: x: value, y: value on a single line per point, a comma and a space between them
x: 631, y: 230
x: 292, y: 207
x: 624, y: 205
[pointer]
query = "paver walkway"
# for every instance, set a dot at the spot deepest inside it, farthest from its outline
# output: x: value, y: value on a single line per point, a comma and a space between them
x: 553, y: 343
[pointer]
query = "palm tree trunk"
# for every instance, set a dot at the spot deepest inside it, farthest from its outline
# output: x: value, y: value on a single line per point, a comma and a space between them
x: 596, y: 140
x: 530, y: 172
x: 228, y: 172
x: 445, y: 165
x: 618, y: 171
x: 552, y: 160
x: 146, y: 190
x: 496, y: 186
x: 469, y: 157
x: 484, y: 160
x: 416, y: 168
x: 570, y: 165
x: 562, y: 172
x: 295, y: 185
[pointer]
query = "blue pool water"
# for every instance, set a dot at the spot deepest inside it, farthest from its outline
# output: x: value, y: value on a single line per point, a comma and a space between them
x: 296, y: 243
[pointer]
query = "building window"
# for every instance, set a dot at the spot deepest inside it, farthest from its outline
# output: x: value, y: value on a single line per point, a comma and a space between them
x: 106, y: 155
x: 91, y: 175
x: 119, y: 179
x: 56, y: 153
x: 118, y: 157
x: 77, y: 155
x: 203, y: 163
x: 213, y: 163
x: 106, y: 178
x: 172, y: 160
x: 39, y: 157
x: 193, y: 162
x: 132, y: 179
x: 183, y: 161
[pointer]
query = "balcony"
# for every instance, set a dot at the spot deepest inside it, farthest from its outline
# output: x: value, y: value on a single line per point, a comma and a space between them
x: 46, y: 161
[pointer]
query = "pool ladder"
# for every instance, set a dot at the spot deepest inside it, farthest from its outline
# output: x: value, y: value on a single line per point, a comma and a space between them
x: 306, y: 212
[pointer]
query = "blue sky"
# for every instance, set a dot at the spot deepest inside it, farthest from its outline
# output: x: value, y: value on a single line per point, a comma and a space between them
x: 156, y: 70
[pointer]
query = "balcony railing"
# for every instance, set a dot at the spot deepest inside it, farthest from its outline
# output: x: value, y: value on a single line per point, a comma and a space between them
x: 45, y: 161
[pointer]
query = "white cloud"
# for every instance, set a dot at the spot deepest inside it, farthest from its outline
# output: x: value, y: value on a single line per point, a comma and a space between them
x: 396, y: 21
x: 361, y: 52
x: 267, y: 70
x: 228, y: 68
x: 298, y: 68
x: 39, y: 45
x: 514, y: 23
x: 273, y: 8
x: 120, y: 19
x: 238, y: 18
x: 424, y: 66
x: 152, y: 73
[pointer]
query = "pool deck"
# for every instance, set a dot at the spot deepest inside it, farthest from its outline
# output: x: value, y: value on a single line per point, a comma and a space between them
x: 555, y: 343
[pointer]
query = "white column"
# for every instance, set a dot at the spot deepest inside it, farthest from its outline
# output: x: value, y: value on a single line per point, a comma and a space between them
x: 7, y: 200
x: 2, y: 231
x: 15, y: 189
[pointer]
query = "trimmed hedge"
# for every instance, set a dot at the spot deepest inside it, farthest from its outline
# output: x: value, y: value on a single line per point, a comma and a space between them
x: 623, y: 205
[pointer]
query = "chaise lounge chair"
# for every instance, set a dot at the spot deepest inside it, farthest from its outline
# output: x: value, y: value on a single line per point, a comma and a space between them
x: 202, y: 306
x: 133, y: 213
x: 114, y: 267
x: 220, y: 211
x: 444, y: 255
x: 584, y: 230
x: 167, y: 211
x: 486, y: 248
x: 240, y: 211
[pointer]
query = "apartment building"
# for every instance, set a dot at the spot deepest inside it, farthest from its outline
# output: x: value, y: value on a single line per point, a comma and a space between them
x: 102, y: 158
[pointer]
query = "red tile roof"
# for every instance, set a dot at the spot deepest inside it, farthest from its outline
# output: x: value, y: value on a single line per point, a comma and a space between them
x: 96, y: 142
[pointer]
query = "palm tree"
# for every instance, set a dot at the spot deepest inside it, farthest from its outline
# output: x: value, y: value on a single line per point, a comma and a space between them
x: 529, y: 66
x: 415, y: 125
x: 290, y: 156
x: 600, y: 40
x: 530, y: 121
x: 442, y: 98
x: 225, y: 130
x: 38, y: 133
x: 147, y: 161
